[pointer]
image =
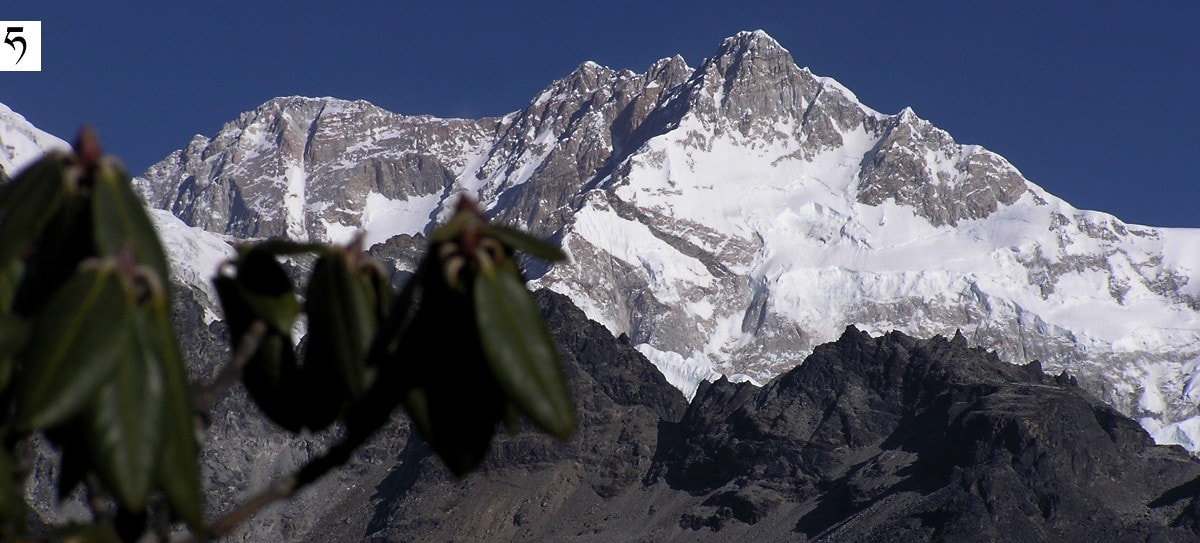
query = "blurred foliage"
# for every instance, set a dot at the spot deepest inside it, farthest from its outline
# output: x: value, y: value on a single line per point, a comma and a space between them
x: 90, y: 361
x: 461, y: 347
x: 88, y: 356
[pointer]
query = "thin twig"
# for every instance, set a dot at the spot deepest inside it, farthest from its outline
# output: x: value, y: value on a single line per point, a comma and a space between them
x: 287, y: 486
x: 204, y: 397
x: 371, y: 415
x: 280, y: 490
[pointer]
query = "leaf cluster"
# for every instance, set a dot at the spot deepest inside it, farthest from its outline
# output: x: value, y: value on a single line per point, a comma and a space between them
x: 461, y: 347
x: 88, y: 355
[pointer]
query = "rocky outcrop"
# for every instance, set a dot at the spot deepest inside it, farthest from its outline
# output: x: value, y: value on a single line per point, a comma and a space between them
x: 303, y: 167
x: 918, y: 165
x: 569, y: 137
x: 898, y: 439
x: 620, y: 400
x: 872, y: 438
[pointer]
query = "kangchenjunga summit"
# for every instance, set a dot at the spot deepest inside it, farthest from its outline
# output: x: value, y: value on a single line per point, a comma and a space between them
x: 723, y: 222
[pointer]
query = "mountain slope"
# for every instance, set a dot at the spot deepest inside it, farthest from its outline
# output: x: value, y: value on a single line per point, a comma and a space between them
x: 872, y: 438
x: 730, y: 217
x: 21, y: 143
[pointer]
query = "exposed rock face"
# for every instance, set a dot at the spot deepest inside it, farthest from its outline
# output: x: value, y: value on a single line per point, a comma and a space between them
x: 730, y: 217
x: 872, y: 438
x: 620, y: 399
x: 301, y: 167
x: 962, y: 183
x: 567, y: 138
x: 906, y: 440
x: 752, y: 84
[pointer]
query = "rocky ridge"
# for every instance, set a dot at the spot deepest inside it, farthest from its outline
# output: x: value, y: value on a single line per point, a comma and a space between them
x: 730, y: 217
x: 871, y: 438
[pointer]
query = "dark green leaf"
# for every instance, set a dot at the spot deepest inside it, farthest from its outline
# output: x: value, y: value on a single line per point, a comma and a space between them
x: 457, y: 406
x: 274, y: 382
x: 342, y: 317
x: 394, y: 378
x: 271, y: 375
x: 525, y: 243
x: 512, y: 418
x: 416, y: 404
x: 519, y: 350
x: 380, y: 289
x: 283, y: 247
x: 121, y: 222
x: 341, y: 323
x: 454, y: 227
x: 10, y: 277
x: 238, y: 315
x: 400, y: 316
x: 56, y: 253
x: 267, y: 291
x: 29, y: 203
x: 12, y: 502
x: 14, y: 335
x: 439, y: 370
x: 278, y: 312
x: 178, y: 473
x: 125, y: 420
x: 273, y: 370
x: 14, y: 332
x: 77, y: 341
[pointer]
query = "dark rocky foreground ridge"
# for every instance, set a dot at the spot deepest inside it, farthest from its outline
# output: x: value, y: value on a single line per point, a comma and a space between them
x: 871, y: 439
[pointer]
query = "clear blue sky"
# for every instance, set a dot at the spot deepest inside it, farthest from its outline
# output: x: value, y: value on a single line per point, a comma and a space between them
x: 1098, y: 102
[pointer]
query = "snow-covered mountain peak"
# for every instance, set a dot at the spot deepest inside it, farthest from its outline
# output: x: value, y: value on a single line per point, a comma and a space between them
x: 21, y: 143
x: 731, y: 216
x: 752, y: 77
x: 750, y: 42
x: 313, y: 168
x: 666, y: 73
x: 919, y: 165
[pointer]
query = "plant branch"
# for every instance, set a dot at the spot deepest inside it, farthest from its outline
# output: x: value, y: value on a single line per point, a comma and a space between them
x: 204, y: 397
x: 281, y: 489
x: 287, y: 486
